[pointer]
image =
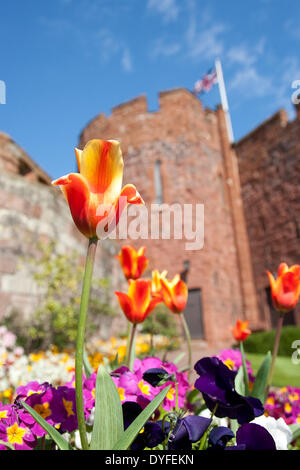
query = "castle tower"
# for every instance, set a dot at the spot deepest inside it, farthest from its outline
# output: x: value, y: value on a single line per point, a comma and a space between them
x: 180, y: 155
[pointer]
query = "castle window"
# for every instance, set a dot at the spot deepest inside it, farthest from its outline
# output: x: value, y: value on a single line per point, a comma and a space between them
x: 158, y: 182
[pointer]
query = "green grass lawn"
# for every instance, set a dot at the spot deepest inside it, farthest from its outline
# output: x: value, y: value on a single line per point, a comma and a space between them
x: 285, y: 373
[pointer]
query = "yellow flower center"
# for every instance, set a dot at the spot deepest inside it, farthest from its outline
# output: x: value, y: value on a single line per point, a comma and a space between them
x: 15, y: 434
x: 3, y: 414
x: 229, y: 363
x: 43, y: 409
x: 121, y: 391
x: 145, y: 388
x: 170, y: 394
x: 294, y: 396
x: 69, y: 407
x: 270, y: 401
x: 287, y: 408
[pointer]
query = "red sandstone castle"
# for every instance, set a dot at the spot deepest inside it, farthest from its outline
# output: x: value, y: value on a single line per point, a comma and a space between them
x: 180, y: 154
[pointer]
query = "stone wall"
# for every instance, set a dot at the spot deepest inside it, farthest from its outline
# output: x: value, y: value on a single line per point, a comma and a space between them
x: 31, y: 212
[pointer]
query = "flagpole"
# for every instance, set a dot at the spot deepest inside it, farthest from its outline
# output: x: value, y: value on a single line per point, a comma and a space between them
x: 224, y: 100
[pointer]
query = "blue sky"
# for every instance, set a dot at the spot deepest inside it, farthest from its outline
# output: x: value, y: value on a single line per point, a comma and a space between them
x: 65, y: 61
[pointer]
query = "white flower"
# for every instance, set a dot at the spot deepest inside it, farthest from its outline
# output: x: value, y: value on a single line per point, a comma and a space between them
x: 218, y: 421
x: 278, y: 429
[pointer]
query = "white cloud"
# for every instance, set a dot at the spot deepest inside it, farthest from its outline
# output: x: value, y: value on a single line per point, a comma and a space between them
x: 126, y: 60
x: 203, y: 34
x: 248, y: 81
x: 167, y: 8
x: 162, y: 47
x: 245, y: 55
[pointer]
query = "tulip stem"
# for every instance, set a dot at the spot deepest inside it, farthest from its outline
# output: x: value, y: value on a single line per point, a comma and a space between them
x: 275, y: 349
x: 203, y: 439
x: 189, y: 345
x: 131, y: 347
x: 86, y: 287
x: 245, y: 372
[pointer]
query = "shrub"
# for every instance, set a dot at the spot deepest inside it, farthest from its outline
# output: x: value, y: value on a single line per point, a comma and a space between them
x: 263, y: 341
x: 55, y: 321
x: 160, y: 322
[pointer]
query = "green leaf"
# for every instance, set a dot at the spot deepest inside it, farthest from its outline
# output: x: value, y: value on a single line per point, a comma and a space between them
x: 295, y: 428
x: 132, y: 431
x: 56, y: 436
x: 115, y: 363
x: 108, y: 422
x: 259, y: 387
x: 86, y: 364
x: 7, y: 444
x: 234, y: 425
x: 239, y: 382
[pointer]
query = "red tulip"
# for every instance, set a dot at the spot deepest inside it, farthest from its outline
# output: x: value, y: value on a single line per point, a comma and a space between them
x: 94, y: 195
x: 132, y: 261
x: 137, y: 304
x: 173, y: 293
x: 285, y: 290
x: 241, y: 330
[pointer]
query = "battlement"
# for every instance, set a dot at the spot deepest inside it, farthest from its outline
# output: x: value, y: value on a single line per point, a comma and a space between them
x: 180, y: 113
x: 135, y: 106
x: 268, y: 128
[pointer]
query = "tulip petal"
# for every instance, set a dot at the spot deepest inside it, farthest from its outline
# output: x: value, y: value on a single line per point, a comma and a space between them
x: 126, y: 257
x: 140, y: 292
x: 126, y: 305
x: 77, y: 194
x: 282, y: 269
x: 101, y: 163
x: 78, y: 154
x: 152, y: 304
x: 180, y: 295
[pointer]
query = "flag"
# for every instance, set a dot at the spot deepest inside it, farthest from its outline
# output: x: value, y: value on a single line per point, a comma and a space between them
x: 209, y: 79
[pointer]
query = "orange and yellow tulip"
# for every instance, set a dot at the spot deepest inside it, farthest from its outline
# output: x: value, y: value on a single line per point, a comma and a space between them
x: 173, y: 293
x: 156, y: 284
x: 285, y: 290
x: 133, y: 262
x: 138, y: 303
x: 241, y: 330
x: 95, y: 195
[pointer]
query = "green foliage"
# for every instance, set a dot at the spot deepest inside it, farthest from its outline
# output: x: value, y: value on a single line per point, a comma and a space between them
x: 261, y: 379
x: 56, y: 319
x: 160, y: 322
x: 262, y: 342
x: 108, y: 421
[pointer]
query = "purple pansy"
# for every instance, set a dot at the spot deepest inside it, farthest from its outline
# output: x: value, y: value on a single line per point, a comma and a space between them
x: 219, y: 437
x: 216, y: 383
x: 156, y: 376
x: 152, y: 433
x: 251, y: 436
x: 187, y: 431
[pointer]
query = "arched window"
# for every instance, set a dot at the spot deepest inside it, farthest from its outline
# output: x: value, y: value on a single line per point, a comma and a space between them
x: 158, y: 182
